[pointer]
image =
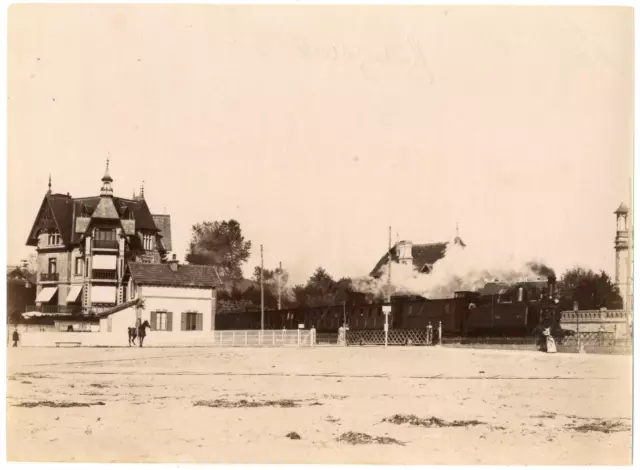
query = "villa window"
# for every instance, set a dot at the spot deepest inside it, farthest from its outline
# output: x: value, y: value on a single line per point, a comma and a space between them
x: 147, y: 242
x: 53, y: 238
x: 191, y: 321
x: 161, y: 321
x: 53, y: 266
x: 79, y: 266
x: 108, y: 234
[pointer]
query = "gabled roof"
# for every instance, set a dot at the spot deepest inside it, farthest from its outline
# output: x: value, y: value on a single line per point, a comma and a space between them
x: 163, y: 222
x: 60, y: 211
x: 187, y: 275
x: 55, y: 213
x: 105, y: 210
x: 126, y: 208
x: 424, y: 256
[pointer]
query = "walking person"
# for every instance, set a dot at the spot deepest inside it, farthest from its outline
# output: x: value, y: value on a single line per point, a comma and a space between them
x: 16, y: 338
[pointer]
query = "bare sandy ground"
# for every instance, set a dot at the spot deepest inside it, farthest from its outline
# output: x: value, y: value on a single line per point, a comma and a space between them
x: 533, y: 408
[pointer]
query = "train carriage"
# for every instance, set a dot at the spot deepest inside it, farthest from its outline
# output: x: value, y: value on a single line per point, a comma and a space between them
x: 514, y: 310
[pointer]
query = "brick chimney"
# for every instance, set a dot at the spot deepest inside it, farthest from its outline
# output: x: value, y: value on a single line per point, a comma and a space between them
x: 173, y: 264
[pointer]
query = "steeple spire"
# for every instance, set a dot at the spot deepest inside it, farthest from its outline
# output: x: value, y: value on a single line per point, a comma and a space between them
x: 457, y: 231
x: 106, y: 190
x: 49, y: 191
x: 142, y: 190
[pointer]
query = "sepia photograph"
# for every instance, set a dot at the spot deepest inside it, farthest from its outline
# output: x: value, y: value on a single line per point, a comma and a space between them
x: 319, y: 233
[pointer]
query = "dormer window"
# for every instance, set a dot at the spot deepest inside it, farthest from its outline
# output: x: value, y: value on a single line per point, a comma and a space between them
x: 53, y: 239
x: 147, y: 242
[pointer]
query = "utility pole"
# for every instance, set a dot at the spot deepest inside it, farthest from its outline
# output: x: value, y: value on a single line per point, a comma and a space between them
x: 279, y: 287
x: 388, y: 307
x: 261, y: 290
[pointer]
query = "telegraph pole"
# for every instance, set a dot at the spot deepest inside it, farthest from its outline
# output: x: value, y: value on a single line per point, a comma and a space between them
x: 261, y: 290
x: 279, y: 287
x: 388, y: 307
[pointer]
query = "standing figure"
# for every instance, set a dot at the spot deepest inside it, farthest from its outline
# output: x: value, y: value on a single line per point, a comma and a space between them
x: 133, y: 333
x: 341, y: 336
x: 16, y: 338
x: 550, y: 342
x: 141, y: 330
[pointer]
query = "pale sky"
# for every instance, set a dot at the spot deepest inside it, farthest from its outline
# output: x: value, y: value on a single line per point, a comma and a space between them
x: 318, y: 127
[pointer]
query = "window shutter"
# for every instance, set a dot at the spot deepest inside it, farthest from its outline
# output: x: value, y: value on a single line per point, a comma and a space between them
x: 183, y: 325
x: 153, y: 321
x: 199, y: 322
x: 169, y: 321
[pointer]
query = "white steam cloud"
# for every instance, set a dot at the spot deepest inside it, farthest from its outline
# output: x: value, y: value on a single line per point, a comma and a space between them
x: 462, y: 269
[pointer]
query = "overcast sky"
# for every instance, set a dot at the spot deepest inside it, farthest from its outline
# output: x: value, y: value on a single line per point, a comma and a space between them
x: 318, y: 127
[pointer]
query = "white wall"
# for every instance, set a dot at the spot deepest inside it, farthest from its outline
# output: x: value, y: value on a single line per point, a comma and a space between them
x: 175, y: 300
x: 178, y: 300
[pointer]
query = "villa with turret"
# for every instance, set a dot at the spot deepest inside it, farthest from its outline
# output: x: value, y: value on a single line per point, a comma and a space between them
x: 84, y: 244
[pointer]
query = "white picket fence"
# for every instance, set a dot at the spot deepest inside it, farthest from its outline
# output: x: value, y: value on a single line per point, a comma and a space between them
x: 252, y: 338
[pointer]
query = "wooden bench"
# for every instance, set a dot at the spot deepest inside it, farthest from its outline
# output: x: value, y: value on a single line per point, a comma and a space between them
x: 76, y: 343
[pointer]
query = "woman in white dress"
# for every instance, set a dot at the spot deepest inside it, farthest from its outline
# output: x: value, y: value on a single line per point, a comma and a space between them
x: 551, y: 343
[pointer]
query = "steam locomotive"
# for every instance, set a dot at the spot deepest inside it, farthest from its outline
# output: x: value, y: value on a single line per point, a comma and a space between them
x: 515, y: 310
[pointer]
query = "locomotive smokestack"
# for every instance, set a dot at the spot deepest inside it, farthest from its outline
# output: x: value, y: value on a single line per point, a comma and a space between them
x: 551, y: 280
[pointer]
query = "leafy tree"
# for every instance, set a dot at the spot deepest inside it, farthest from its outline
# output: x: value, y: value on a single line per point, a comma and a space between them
x: 271, y: 283
x: 321, y: 289
x: 590, y: 289
x: 21, y: 292
x: 219, y: 244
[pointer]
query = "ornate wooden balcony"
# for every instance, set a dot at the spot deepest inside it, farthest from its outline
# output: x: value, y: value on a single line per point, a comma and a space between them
x: 49, y: 277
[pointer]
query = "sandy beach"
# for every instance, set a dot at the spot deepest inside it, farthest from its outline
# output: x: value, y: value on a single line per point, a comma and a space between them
x: 348, y: 405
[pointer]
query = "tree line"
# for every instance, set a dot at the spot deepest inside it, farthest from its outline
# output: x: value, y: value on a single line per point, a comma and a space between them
x: 223, y: 245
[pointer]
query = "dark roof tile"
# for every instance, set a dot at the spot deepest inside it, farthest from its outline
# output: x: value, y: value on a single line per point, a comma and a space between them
x: 163, y: 222
x: 187, y: 275
x: 66, y: 210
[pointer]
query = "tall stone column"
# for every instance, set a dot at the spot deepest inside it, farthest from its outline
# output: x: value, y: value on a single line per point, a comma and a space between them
x: 623, y: 265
